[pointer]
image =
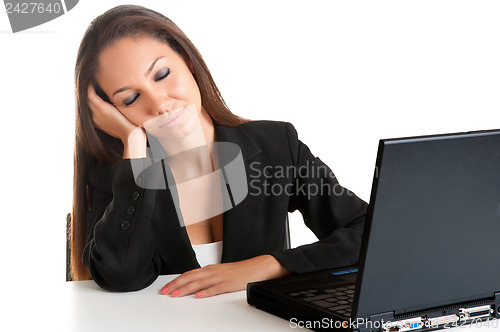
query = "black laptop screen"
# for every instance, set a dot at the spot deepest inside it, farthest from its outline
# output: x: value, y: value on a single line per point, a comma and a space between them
x: 435, y: 226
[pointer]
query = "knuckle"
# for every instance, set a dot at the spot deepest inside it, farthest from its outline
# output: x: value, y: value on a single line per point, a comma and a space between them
x: 194, y: 286
x: 216, y: 289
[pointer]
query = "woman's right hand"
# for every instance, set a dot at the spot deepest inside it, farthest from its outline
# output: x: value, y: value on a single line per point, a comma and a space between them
x: 110, y: 120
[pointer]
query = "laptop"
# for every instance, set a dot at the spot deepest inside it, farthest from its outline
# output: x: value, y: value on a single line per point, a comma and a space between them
x: 430, y: 255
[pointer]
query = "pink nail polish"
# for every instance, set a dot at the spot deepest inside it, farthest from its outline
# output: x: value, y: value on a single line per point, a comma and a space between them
x: 175, y: 292
x: 164, y: 290
x: 199, y: 294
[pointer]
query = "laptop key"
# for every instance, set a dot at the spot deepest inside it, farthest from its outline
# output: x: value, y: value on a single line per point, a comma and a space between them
x: 317, y: 297
x: 323, y: 304
x: 340, y: 307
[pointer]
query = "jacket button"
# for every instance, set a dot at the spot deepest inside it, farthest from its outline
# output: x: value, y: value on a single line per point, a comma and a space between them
x: 135, y: 195
x: 130, y: 210
x: 125, y: 225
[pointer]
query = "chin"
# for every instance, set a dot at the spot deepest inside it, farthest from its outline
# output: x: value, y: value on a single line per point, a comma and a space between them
x: 181, y: 131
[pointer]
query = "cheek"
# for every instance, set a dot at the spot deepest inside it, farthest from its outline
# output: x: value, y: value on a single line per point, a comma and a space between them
x: 133, y: 116
x: 184, y: 88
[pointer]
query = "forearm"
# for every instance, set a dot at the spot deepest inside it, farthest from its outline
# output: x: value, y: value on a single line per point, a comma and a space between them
x: 341, y: 248
x: 121, y: 251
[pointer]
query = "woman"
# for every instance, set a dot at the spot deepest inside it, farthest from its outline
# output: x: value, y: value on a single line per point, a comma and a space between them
x: 140, y: 82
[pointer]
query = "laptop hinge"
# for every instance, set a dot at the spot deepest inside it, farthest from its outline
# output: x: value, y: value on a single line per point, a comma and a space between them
x: 377, y: 322
x: 497, y: 305
x: 374, y: 322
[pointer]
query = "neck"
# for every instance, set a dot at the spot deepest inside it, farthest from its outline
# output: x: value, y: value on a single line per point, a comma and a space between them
x: 191, y: 156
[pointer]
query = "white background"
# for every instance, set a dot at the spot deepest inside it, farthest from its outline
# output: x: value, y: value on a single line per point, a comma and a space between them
x: 345, y: 73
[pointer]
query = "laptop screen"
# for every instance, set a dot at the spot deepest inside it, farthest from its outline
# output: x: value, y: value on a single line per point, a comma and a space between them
x: 435, y: 224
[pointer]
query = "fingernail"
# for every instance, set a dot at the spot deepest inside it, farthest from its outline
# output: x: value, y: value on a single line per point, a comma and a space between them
x: 164, y: 290
x: 175, y: 292
x: 199, y: 294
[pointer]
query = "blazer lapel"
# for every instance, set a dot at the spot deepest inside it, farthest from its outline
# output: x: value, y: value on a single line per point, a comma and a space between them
x: 239, y: 136
x: 232, y: 222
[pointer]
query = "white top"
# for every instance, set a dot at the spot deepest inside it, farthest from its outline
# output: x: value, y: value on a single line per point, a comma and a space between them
x: 209, y: 253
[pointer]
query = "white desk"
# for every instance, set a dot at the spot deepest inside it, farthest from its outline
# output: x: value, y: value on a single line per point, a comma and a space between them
x: 84, y: 306
x: 92, y: 309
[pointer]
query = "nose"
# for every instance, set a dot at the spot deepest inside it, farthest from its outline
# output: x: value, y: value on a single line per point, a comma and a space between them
x: 160, y: 103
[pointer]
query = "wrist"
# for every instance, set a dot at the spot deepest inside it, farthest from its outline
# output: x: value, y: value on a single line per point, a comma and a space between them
x: 134, y: 144
x: 272, y: 267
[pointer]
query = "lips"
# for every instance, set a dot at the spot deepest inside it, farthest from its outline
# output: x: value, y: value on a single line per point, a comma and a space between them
x: 173, y: 116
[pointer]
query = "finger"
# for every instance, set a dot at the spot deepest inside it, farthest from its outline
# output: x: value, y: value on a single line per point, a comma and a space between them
x: 183, y: 279
x: 94, y: 114
x: 98, y: 106
x: 174, y: 284
x: 196, y: 286
x: 194, y: 280
x: 217, y: 289
x: 91, y: 94
x: 92, y: 99
x: 95, y: 99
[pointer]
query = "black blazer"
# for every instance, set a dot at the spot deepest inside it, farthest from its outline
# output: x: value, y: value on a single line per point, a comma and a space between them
x: 134, y: 234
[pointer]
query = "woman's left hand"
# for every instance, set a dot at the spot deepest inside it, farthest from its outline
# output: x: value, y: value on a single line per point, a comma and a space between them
x: 224, y: 278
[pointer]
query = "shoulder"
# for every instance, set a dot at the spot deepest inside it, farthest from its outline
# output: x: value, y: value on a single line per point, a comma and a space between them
x: 259, y: 125
x: 270, y: 130
x: 275, y: 139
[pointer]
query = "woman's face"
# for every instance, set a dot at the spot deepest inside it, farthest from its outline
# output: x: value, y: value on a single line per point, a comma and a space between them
x: 151, y: 85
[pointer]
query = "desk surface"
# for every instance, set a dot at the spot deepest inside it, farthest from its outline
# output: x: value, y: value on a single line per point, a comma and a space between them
x: 86, y: 307
x: 93, y: 309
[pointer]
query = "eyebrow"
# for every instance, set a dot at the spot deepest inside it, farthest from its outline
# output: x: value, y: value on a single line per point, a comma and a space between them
x: 145, y: 74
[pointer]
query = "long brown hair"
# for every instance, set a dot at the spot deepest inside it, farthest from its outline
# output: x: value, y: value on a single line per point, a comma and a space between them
x: 92, y: 146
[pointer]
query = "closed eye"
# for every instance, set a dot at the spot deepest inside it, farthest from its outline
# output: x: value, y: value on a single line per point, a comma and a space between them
x: 130, y: 100
x: 161, y: 74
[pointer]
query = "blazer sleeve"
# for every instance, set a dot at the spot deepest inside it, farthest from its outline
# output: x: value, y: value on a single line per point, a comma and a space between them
x: 121, y: 249
x: 332, y: 212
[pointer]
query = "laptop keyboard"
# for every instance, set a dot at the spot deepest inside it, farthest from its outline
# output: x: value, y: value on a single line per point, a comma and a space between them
x: 338, y: 300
